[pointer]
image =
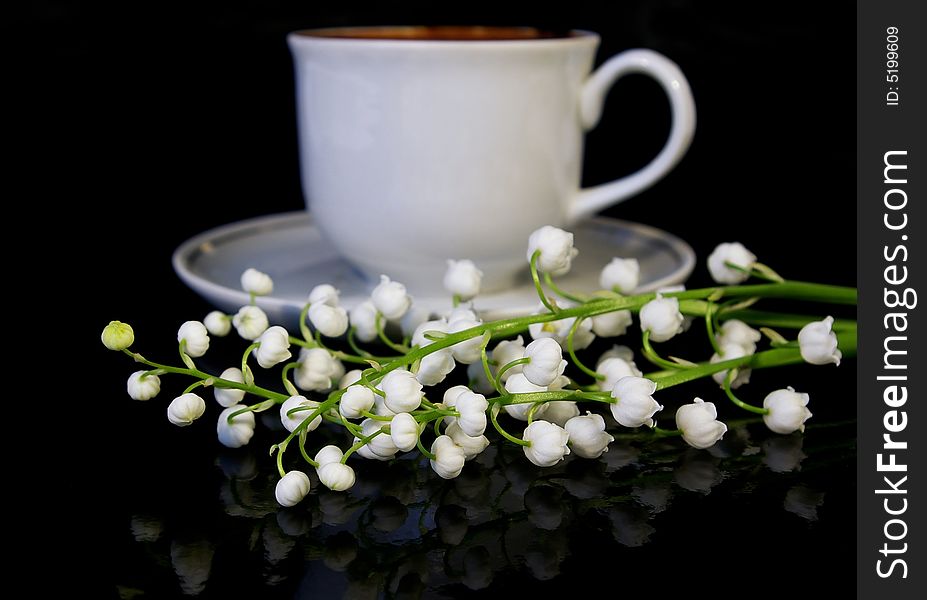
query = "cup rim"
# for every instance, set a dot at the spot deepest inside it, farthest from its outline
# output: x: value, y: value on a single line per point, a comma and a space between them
x: 329, y: 35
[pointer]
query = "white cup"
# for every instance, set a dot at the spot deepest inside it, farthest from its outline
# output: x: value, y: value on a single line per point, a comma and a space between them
x: 420, y: 144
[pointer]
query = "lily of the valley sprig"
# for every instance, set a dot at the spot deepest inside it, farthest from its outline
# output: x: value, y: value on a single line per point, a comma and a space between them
x: 392, y: 401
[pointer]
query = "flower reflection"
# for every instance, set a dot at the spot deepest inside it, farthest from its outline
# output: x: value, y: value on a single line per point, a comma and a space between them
x: 545, y: 554
x: 653, y: 494
x: 545, y: 507
x: 452, y: 523
x: 629, y: 525
x: 402, y: 533
x: 477, y: 568
x: 783, y: 453
x: 192, y: 561
x: 804, y: 502
x: 697, y: 472
x: 340, y: 551
x: 145, y: 528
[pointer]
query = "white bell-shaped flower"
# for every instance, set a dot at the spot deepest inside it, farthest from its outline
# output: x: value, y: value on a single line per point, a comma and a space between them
x: 237, y: 433
x: 634, y: 404
x: 788, y: 411
x: 390, y: 298
x: 292, y: 488
x: 548, y: 443
x: 556, y: 247
x: 195, y: 338
x: 274, y: 348
x: 587, y: 435
x: 817, y: 343
x: 185, y: 409
x: 621, y: 275
x: 143, y: 387
x: 661, y: 317
x: 257, y: 283
x: 546, y: 361
x: 734, y: 253
x: 699, y: 424
x: 250, y: 322
x: 462, y: 279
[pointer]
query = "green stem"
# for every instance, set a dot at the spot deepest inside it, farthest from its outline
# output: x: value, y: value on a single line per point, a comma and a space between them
x: 533, y: 263
x: 710, y: 328
x: 572, y: 352
x: 563, y: 294
x: 655, y: 358
x: 302, y: 450
x: 303, y: 326
x: 360, y: 443
x: 381, y: 333
x: 493, y: 412
x: 730, y: 394
x: 216, y: 381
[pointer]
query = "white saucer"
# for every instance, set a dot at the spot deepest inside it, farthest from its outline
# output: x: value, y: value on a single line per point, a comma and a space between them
x: 290, y: 248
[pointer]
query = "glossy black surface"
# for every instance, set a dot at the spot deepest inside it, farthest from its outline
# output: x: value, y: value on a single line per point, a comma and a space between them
x: 158, y: 121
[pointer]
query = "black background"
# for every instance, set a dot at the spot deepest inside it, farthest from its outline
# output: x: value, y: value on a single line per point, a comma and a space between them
x: 150, y: 122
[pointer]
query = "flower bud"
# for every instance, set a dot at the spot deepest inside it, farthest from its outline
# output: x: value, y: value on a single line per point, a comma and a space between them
x: 612, y: 324
x: 404, y: 431
x: 587, y: 435
x: 403, y: 393
x: 559, y: 412
x: 363, y: 318
x: 472, y: 409
x: 818, y: 343
x: 449, y: 457
x: 328, y: 454
x: 356, y: 400
x: 185, y: 409
x: 699, y: 425
x: 390, y: 298
x: 293, y: 420
x: 250, y: 322
x: 734, y: 331
x: 548, y: 443
x: 731, y: 351
x: 382, y: 444
x: 621, y: 275
x: 471, y: 445
x: 292, y: 488
x: 614, y: 368
x: 734, y: 253
x: 788, y: 411
x: 324, y: 294
x: 336, y: 476
x: 546, y: 361
x: 274, y: 348
x: 117, y: 335
x: 434, y: 367
x: 519, y: 384
x: 143, y: 387
x: 468, y: 351
x: 505, y: 352
x: 634, y: 404
x: 556, y: 247
x: 257, y: 283
x: 230, y: 396
x: 317, y: 370
x: 218, y: 323
x: 661, y: 317
x: 237, y: 433
x: 330, y: 321
x: 195, y: 338
x: 462, y: 279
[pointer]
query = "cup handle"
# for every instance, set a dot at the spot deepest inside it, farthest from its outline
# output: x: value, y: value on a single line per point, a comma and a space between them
x: 592, y: 95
